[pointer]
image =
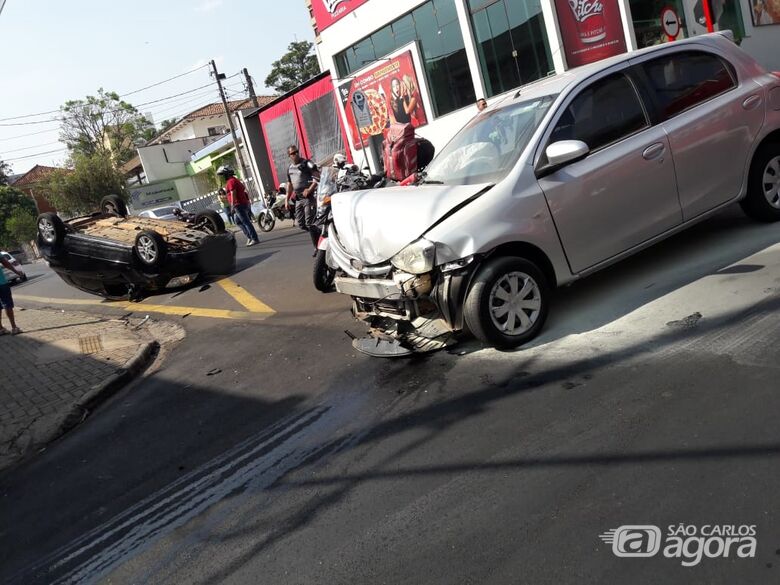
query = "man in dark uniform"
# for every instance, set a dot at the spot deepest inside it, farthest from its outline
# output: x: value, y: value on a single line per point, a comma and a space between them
x: 302, y: 177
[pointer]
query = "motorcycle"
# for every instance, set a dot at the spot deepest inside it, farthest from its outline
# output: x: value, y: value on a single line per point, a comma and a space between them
x: 324, y: 273
x: 274, y: 210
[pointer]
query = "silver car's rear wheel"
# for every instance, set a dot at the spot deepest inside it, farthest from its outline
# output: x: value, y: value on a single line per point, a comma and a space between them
x: 507, y: 303
x: 771, y: 182
x: 762, y: 201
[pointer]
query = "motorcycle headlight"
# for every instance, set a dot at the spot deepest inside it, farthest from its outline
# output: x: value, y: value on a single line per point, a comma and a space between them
x: 416, y: 258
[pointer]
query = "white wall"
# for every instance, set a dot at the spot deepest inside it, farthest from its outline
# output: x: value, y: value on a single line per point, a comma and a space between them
x: 169, y: 160
x: 762, y: 42
x: 199, y: 127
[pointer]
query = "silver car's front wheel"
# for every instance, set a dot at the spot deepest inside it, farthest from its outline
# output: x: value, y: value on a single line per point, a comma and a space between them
x: 515, y: 303
x: 507, y: 303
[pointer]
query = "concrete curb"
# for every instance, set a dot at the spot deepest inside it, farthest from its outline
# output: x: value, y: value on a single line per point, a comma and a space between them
x: 106, y: 389
x: 49, y: 428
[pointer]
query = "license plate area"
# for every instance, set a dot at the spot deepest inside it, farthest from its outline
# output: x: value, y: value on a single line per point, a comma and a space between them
x: 370, y: 288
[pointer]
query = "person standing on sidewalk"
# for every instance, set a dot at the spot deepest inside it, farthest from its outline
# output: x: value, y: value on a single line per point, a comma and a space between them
x: 302, y: 177
x: 239, y: 202
x: 6, y: 299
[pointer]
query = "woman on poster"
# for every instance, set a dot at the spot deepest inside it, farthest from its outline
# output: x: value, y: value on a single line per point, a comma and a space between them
x: 401, y: 103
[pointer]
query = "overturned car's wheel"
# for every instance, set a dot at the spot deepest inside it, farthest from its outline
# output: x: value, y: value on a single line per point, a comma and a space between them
x: 324, y: 275
x: 762, y: 201
x: 507, y: 303
x: 266, y: 220
x: 211, y: 220
x: 151, y: 249
x: 113, y: 205
x: 51, y: 229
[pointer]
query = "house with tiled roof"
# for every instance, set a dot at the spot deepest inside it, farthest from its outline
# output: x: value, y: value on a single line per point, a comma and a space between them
x: 209, y: 120
x: 31, y: 183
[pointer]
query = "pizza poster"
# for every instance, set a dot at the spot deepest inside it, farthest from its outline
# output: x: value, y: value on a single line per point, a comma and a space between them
x: 326, y: 12
x: 591, y: 30
x: 388, y: 93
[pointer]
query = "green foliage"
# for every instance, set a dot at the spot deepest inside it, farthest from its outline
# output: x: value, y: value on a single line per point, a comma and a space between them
x: 165, y: 124
x: 79, y: 190
x: 21, y: 226
x: 299, y: 64
x: 5, y: 172
x: 103, y: 125
x: 13, y: 203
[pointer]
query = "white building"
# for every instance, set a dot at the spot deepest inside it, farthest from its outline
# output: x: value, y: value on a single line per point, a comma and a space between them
x: 465, y: 49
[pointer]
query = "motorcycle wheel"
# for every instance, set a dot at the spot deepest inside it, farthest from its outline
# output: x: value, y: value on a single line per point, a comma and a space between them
x: 266, y: 221
x: 324, y: 275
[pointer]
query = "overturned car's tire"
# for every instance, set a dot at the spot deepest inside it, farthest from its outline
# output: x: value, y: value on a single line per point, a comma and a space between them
x: 266, y: 220
x: 113, y: 205
x: 51, y: 229
x: 507, y: 303
x: 151, y: 250
x: 211, y: 220
x: 762, y: 201
x: 323, y: 274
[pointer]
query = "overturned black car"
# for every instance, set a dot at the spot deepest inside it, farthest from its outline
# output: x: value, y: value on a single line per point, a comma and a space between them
x: 118, y: 257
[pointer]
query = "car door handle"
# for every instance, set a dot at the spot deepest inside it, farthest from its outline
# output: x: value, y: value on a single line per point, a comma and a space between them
x: 653, y: 151
x: 751, y: 102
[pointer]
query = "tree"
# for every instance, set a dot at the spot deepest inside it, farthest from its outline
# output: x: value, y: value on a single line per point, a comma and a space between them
x: 165, y: 124
x: 5, y: 172
x: 299, y: 64
x: 104, y: 125
x: 79, y: 190
x: 12, y: 203
x: 21, y: 226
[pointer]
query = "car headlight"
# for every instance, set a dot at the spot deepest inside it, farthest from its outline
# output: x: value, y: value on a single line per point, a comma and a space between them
x: 416, y: 258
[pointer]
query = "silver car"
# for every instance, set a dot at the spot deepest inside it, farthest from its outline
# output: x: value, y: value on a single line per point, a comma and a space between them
x: 567, y: 176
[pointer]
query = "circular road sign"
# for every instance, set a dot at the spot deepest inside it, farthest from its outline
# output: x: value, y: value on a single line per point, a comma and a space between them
x: 670, y: 22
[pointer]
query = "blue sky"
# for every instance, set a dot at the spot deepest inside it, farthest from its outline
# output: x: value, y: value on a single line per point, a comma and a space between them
x: 55, y: 50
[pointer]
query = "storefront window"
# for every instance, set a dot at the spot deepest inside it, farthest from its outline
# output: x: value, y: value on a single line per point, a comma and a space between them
x: 511, y: 42
x: 646, y: 15
x: 435, y: 25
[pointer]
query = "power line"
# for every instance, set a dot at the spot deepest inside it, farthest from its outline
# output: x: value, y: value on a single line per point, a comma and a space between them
x: 163, y: 81
x: 31, y: 147
x: 112, y: 111
x: 121, y: 95
x: 29, y: 134
x: 35, y: 155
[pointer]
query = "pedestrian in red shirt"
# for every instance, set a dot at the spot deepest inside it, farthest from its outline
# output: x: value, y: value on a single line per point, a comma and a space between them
x: 239, y: 203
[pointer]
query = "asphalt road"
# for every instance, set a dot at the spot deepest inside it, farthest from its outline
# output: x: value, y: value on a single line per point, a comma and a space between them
x: 650, y: 399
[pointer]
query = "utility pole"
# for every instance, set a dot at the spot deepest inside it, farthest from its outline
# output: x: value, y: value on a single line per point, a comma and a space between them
x: 250, y: 88
x: 219, y: 77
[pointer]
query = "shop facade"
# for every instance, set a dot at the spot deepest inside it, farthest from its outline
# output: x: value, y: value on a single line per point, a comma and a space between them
x: 428, y: 61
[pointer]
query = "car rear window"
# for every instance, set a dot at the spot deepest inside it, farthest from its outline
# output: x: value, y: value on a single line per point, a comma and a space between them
x: 683, y: 80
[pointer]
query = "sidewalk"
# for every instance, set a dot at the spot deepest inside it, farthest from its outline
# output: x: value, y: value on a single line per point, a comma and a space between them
x: 59, y: 369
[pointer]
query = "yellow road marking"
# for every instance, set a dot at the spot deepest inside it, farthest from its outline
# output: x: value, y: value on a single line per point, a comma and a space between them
x: 244, y: 297
x: 163, y: 309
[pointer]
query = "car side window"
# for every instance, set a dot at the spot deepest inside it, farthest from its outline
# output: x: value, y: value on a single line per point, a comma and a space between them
x: 683, y: 80
x: 603, y: 113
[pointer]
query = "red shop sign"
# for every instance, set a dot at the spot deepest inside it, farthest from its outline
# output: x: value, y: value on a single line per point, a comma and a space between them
x: 591, y: 29
x: 326, y: 12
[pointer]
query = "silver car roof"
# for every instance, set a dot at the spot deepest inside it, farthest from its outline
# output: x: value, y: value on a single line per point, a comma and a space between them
x: 556, y: 84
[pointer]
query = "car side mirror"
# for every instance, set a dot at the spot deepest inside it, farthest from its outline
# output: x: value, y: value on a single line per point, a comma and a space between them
x: 566, y: 151
x: 561, y: 153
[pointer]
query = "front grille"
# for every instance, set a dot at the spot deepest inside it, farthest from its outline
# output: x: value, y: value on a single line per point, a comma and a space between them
x: 345, y: 261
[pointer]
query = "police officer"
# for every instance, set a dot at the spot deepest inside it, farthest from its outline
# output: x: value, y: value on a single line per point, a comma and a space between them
x: 302, y: 177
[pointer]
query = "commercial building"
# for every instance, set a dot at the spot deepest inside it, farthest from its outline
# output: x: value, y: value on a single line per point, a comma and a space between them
x: 427, y: 61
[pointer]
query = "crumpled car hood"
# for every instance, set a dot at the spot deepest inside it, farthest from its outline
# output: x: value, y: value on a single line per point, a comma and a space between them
x: 376, y: 224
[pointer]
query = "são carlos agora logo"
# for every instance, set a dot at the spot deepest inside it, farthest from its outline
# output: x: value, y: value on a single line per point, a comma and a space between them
x: 689, y: 543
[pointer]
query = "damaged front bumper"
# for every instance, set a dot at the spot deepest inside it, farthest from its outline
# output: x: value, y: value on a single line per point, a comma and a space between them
x: 408, y: 313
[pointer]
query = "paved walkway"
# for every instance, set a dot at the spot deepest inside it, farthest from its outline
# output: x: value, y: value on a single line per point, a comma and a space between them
x: 47, y: 372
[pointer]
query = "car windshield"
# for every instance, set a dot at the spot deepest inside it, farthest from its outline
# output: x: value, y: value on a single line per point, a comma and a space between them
x: 487, y: 148
x: 164, y: 211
